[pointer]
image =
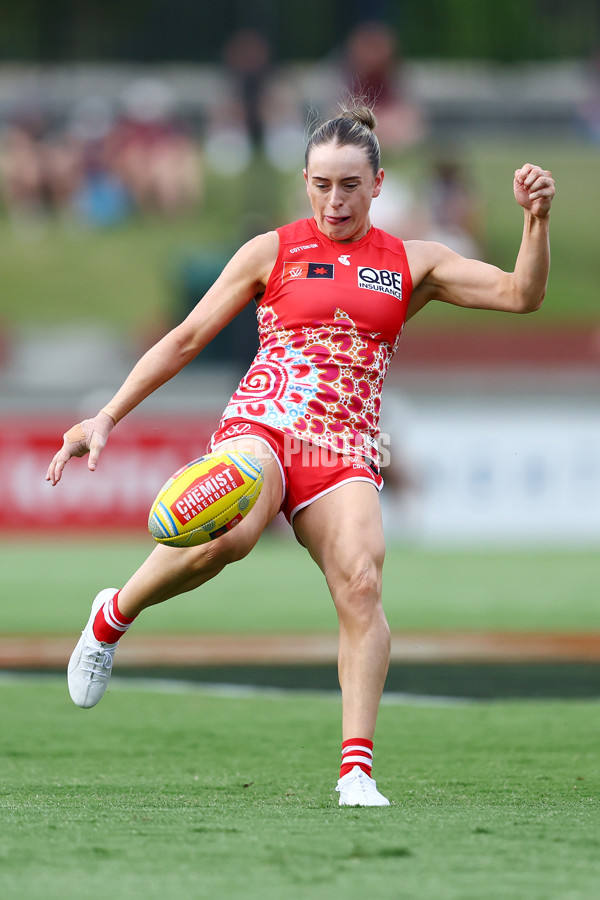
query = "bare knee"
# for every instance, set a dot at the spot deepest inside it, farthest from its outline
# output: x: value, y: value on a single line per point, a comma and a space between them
x: 358, y: 594
x: 221, y: 552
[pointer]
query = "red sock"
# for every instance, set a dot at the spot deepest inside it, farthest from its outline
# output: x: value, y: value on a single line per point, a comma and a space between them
x: 110, y: 624
x: 357, y: 752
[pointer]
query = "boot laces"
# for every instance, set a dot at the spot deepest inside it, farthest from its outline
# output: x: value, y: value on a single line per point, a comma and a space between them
x: 97, y: 661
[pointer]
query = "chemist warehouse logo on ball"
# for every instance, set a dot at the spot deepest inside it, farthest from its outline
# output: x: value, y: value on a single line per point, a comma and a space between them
x: 380, y: 280
x: 206, y: 490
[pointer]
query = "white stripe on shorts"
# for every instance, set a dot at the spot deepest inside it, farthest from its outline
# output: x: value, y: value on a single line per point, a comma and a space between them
x: 328, y: 490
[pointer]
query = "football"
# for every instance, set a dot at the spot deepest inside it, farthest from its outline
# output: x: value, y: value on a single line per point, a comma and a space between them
x: 205, y: 499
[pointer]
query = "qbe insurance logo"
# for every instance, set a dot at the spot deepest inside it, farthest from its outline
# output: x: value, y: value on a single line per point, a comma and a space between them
x: 380, y: 280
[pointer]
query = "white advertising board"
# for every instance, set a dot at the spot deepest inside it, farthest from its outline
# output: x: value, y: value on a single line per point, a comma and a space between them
x: 498, y: 473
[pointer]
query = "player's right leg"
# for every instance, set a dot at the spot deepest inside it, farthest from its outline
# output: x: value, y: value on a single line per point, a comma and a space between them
x: 167, y: 572
x: 170, y: 571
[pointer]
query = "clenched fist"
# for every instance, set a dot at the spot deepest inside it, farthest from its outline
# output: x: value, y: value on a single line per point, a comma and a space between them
x: 534, y: 189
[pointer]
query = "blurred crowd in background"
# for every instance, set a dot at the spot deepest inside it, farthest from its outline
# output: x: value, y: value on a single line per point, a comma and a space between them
x: 100, y: 160
x: 100, y: 163
x: 103, y: 160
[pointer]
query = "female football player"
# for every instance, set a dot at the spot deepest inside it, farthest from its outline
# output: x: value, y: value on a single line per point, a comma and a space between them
x: 332, y: 294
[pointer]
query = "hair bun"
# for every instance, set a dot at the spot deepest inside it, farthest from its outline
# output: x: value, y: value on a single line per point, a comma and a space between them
x: 361, y: 113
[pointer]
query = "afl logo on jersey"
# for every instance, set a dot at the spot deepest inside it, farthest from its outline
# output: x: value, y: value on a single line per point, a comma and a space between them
x: 380, y: 280
x: 294, y: 270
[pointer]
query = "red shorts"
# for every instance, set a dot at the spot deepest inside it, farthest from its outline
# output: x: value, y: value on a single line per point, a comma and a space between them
x: 307, y: 470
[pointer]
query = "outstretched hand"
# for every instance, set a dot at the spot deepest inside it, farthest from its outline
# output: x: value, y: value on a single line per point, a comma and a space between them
x: 534, y: 189
x: 89, y: 436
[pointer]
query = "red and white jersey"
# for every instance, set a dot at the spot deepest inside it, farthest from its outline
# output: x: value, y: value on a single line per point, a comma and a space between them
x: 329, y: 323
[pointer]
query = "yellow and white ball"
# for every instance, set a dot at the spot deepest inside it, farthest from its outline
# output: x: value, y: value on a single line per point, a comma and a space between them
x: 205, y: 499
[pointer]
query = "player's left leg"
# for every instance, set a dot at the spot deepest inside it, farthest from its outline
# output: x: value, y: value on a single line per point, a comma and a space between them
x: 342, y: 531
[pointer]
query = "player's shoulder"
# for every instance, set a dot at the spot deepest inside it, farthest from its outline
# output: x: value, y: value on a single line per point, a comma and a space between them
x: 384, y: 238
x: 383, y: 241
x: 254, y: 260
x: 262, y: 248
x: 428, y: 261
x: 426, y: 253
x: 301, y: 233
x: 262, y: 243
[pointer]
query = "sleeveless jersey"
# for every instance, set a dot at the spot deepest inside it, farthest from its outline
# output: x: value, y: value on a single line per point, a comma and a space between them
x: 329, y: 323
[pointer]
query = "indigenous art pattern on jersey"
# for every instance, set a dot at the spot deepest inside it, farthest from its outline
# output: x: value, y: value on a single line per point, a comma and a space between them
x: 325, y: 342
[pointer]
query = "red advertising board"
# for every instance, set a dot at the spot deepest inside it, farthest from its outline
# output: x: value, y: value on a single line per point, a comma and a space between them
x: 140, y: 456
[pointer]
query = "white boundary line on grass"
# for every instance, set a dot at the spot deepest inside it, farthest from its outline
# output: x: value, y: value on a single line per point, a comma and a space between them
x: 235, y: 691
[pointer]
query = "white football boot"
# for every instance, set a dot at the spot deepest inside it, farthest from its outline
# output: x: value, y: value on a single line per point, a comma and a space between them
x: 356, y: 788
x: 91, y: 661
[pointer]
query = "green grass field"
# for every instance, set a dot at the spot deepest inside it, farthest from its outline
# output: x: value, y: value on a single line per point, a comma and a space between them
x: 48, y: 587
x: 192, y: 795
x: 195, y: 794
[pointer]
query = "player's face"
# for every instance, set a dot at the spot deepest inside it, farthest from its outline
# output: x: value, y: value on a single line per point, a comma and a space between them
x: 341, y: 185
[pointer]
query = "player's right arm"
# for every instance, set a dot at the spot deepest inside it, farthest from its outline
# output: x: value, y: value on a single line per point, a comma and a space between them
x: 242, y: 279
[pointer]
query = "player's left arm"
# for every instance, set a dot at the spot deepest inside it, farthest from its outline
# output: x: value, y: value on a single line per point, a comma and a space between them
x: 444, y: 275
